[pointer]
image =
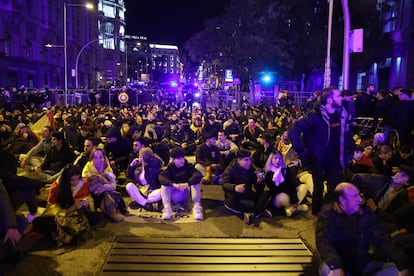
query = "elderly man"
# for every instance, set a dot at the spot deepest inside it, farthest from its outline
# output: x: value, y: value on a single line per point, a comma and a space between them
x: 344, y: 232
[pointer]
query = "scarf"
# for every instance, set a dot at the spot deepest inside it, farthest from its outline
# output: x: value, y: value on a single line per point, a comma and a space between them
x: 277, y: 175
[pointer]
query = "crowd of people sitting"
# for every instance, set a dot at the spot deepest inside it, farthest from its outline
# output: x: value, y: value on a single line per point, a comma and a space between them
x: 89, y: 156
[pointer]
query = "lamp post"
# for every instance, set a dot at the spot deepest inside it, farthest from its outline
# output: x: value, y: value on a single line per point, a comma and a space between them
x: 77, y: 60
x: 65, y: 48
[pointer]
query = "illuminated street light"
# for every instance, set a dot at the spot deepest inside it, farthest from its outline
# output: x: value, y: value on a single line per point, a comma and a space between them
x: 65, y: 48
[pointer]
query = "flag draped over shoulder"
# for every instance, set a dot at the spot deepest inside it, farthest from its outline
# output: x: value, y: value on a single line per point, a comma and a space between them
x: 46, y: 120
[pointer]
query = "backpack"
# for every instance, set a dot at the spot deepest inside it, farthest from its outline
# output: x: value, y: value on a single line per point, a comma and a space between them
x: 72, y: 227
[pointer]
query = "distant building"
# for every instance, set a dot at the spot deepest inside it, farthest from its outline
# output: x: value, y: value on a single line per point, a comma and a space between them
x: 139, y: 58
x: 112, y: 65
x: 165, y: 63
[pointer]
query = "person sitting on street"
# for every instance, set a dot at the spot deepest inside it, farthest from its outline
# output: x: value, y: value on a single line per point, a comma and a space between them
x: 178, y: 182
x: 301, y: 174
x: 36, y: 154
x: 208, y: 159
x: 228, y: 149
x: 56, y: 159
x: 261, y: 155
x: 183, y: 136
x: 345, y: 231
x: 146, y: 189
x: 102, y: 186
x: 133, y: 158
x: 11, y: 231
x: 252, y: 133
x: 282, y: 187
x: 243, y: 192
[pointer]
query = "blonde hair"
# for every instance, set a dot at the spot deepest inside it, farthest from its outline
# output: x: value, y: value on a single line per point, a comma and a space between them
x: 269, y: 164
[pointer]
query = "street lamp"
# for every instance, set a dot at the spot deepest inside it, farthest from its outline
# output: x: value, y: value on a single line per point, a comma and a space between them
x: 65, y: 48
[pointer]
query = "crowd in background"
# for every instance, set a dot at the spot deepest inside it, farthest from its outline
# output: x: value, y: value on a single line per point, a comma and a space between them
x: 247, y: 150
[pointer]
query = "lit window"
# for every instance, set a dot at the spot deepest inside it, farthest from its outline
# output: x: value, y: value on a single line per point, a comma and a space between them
x: 109, y: 11
x: 171, y: 64
x: 121, y: 31
x: 109, y: 43
x: 109, y: 28
x: 121, y: 14
x: 171, y: 57
x: 172, y: 71
x: 122, y: 46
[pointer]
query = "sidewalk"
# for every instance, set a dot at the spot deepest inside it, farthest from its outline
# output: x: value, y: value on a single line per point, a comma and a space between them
x: 88, y: 258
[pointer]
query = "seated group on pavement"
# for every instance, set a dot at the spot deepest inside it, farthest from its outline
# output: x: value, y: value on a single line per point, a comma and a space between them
x: 104, y: 161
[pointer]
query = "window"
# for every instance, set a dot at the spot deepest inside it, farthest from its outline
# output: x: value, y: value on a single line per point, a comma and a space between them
x: 121, y: 31
x: 109, y: 11
x: 109, y: 28
x: 122, y: 46
x: 121, y: 14
x: 171, y: 58
x: 171, y: 64
x: 109, y: 43
x: 360, y: 80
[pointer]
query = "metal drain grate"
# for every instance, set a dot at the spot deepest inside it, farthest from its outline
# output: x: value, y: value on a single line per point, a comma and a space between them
x: 207, y: 256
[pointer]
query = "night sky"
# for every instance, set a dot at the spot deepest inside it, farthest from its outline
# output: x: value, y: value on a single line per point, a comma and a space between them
x: 170, y: 21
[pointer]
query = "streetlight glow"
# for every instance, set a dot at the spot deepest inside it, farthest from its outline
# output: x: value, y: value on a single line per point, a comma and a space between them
x: 89, y: 6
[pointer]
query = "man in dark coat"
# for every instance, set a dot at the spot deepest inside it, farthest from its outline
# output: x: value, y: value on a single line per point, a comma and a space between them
x: 324, y: 143
x: 345, y: 231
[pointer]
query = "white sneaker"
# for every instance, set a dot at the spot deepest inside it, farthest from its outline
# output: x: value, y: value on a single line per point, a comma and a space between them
x: 290, y: 211
x: 166, y: 214
x: 31, y: 217
x: 198, y: 212
x: 303, y: 208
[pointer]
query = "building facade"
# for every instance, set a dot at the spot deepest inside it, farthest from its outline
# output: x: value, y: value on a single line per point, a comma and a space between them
x: 27, y: 26
x: 112, y: 65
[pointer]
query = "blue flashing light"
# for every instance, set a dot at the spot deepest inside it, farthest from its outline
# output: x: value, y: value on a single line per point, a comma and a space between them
x: 174, y: 84
x: 195, y: 84
x: 197, y: 95
x: 267, y: 78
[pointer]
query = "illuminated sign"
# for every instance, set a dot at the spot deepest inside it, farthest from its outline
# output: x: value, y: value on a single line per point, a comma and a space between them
x: 228, y: 75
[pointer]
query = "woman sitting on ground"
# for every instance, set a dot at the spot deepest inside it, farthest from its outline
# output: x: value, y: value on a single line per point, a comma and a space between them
x: 147, y: 188
x: 102, y: 185
x: 69, y: 192
x: 282, y: 187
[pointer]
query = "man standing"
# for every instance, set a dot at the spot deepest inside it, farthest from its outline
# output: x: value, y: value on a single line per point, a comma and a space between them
x: 322, y: 140
x: 344, y: 232
x: 365, y: 103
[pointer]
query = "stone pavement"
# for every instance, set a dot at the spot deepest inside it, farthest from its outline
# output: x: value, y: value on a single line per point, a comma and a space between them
x: 89, y: 257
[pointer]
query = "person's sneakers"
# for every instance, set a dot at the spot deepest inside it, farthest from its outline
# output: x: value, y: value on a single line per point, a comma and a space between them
x: 290, y: 211
x: 265, y: 214
x: 166, y: 214
x: 198, y: 212
x: 303, y: 208
x: 248, y: 218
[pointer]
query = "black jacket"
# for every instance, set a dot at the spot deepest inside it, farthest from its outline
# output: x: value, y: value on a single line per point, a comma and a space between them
x: 310, y: 137
x: 234, y: 175
x: 186, y: 173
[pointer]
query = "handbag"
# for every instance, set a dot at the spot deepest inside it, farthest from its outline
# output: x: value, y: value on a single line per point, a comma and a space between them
x: 73, y: 226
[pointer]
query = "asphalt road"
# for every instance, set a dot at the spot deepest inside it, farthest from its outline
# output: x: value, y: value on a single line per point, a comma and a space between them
x: 89, y: 257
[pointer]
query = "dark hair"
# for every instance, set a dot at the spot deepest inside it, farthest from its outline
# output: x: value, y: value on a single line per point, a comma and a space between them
x: 64, y: 197
x: 243, y: 153
x: 327, y: 93
x: 58, y: 135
